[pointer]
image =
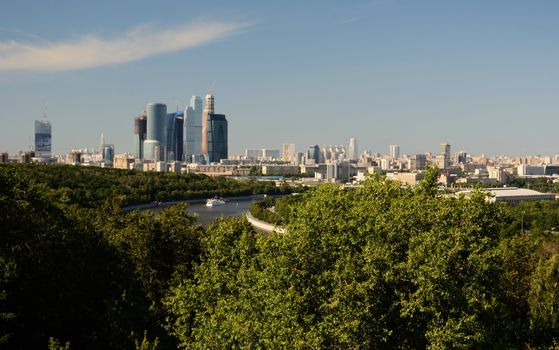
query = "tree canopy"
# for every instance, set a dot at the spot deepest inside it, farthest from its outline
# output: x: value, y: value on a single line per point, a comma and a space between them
x: 381, y: 266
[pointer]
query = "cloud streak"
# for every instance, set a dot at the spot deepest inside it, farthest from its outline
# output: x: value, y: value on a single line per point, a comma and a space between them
x: 92, y: 51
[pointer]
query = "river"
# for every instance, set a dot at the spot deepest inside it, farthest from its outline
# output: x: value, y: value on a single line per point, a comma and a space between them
x: 207, y: 215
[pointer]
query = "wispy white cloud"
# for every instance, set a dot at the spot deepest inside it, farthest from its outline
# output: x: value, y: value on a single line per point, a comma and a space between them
x: 92, y: 51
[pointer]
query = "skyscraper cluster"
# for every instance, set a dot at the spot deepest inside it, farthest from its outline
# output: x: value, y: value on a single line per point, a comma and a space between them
x: 196, y: 135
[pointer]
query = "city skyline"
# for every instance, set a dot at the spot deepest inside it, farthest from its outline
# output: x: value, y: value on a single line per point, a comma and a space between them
x: 480, y: 75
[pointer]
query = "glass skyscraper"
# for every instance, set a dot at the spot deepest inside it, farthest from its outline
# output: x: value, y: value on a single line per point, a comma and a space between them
x: 157, y: 122
x: 174, y: 136
x: 193, y: 129
x: 43, y: 138
x: 140, y: 133
x: 216, y: 138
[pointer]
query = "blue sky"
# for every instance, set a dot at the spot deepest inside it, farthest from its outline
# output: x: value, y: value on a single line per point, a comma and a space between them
x: 481, y: 75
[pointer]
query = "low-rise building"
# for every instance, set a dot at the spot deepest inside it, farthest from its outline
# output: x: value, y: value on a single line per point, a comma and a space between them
x: 124, y: 161
x: 406, y: 178
x: 513, y: 195
x: 280, y: 169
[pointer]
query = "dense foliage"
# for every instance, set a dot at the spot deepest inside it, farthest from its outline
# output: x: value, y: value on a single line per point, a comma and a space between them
x: 538, y: 184
x: 275, y: 210
x: 375, y: 267
x: 93, y: 277
x: 378, y: 267
x: 92, y: 186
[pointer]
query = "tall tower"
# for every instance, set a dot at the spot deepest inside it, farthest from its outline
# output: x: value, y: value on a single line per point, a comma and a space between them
x: 314, y: 153
x: 174, y: 136
x: 288, y: 152
x: 394, y: 151
x: 140, y: 133
x: 352, y: 149
x: 444, y: 150
x: 156, y: 118
x: 217, y: 138
x: 43, y: 138
x: 154, y: 146
x: 101, y: 143
x: 208, y: 109
x: 193, y: 129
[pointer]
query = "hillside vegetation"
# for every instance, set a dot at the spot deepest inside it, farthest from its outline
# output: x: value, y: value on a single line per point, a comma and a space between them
x: 375, y: 267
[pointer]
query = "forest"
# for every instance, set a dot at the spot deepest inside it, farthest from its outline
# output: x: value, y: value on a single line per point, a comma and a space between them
x: 376, y: 267
x: 92, y: 186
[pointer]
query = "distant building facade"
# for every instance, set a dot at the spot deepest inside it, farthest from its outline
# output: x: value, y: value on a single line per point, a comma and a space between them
x: 140, y: 134
x: 193, y: 129
x: 443, y: 161
x: 108, y: 153
x: 155, y: 144
x: 352, y: 150
x: 394, y: 151
x: 43, y: 139
x: 313, y: 153
x: 175, y: 136
x: 417, y: 162
x: 216, y: 138
x: 288, y: 152
x: 208, y: 110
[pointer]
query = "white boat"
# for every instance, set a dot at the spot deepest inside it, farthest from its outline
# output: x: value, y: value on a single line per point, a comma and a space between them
x: 215, y: 202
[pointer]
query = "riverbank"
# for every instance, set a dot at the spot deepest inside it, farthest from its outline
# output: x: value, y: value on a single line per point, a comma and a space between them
x: 263, y: 225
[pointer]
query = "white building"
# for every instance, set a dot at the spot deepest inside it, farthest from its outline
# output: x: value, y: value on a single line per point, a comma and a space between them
x: 352, y: 149
x: 497, y: 173
x: 385, y: 164
x: 514, y: 195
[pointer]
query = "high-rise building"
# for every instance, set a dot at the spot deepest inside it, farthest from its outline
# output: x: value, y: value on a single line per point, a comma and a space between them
x: 108, y: 153
x: 140, y: 134
x: 208, y: 110
x: 352, y: 150
x: 156, y: 125
x: 270, y: 154
x: 152, y: 150
x: 394, y: 151
x: 216, y: 138
x: 101, y: 145
x: 156, y: 121
x: 43, y: 139
x: 288, y: 152
x: 460, y: 157
x: 444, y: 150
x: 314, y: 153
x: 174, y: 136
x: 253, y: 154
x: 417, y: 162
x: 193, y: 129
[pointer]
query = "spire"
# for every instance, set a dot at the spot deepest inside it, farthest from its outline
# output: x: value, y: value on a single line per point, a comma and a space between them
x: 45, y: 113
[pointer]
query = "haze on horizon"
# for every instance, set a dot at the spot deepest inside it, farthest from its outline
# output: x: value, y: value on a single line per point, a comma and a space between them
x: 481, y: 75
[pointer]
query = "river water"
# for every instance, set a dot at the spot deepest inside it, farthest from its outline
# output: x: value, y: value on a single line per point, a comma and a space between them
x: 207, y: 215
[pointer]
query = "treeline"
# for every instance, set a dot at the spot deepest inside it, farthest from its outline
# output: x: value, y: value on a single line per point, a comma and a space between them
x: 545, y: 185
x: 375, y: 267
x: 273, y: 210
x: 541, y: 184
x: 92, y: 186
